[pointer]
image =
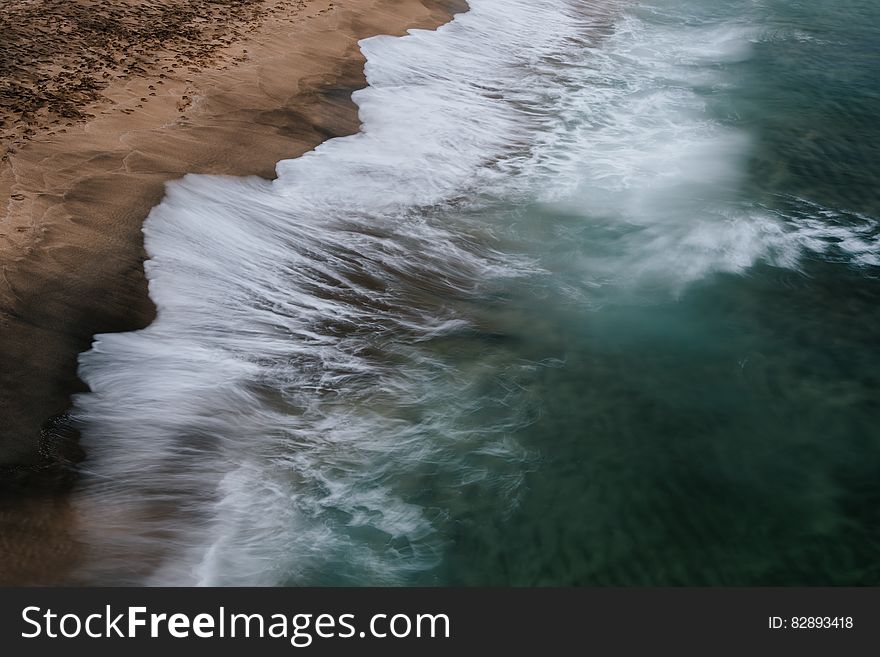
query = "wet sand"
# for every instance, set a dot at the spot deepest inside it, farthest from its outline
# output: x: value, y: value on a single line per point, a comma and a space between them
x: 92, y: 125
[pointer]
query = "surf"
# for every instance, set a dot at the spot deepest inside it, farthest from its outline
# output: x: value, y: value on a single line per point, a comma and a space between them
x: 339, y: 370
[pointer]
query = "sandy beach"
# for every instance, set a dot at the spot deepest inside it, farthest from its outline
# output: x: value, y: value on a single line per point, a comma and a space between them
x: 101, y: 103
x: 545, y: 293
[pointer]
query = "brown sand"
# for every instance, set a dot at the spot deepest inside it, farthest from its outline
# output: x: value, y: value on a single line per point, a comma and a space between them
x: 101, y: 103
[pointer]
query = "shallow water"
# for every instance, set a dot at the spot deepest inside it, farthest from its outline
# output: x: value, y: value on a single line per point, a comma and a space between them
x: 591, y: 299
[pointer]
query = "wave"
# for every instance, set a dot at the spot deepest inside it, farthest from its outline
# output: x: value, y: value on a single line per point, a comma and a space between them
x: 329, y: 383
x: 281, y: 403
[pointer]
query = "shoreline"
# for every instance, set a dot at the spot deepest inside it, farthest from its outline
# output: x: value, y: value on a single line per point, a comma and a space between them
x: 71, y: 246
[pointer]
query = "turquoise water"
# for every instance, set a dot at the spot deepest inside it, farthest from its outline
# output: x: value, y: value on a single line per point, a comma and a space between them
x: 727, y: 435
x: 593, y: 298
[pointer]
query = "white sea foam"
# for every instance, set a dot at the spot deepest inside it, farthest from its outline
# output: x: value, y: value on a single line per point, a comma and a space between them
x: 276, y: 421
x: 301, y: 398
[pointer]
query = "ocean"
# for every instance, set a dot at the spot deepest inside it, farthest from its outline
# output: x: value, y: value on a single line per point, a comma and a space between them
x: 591, y: 299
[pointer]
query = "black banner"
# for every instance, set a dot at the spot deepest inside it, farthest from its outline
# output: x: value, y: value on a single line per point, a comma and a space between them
x: 834, y: 621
